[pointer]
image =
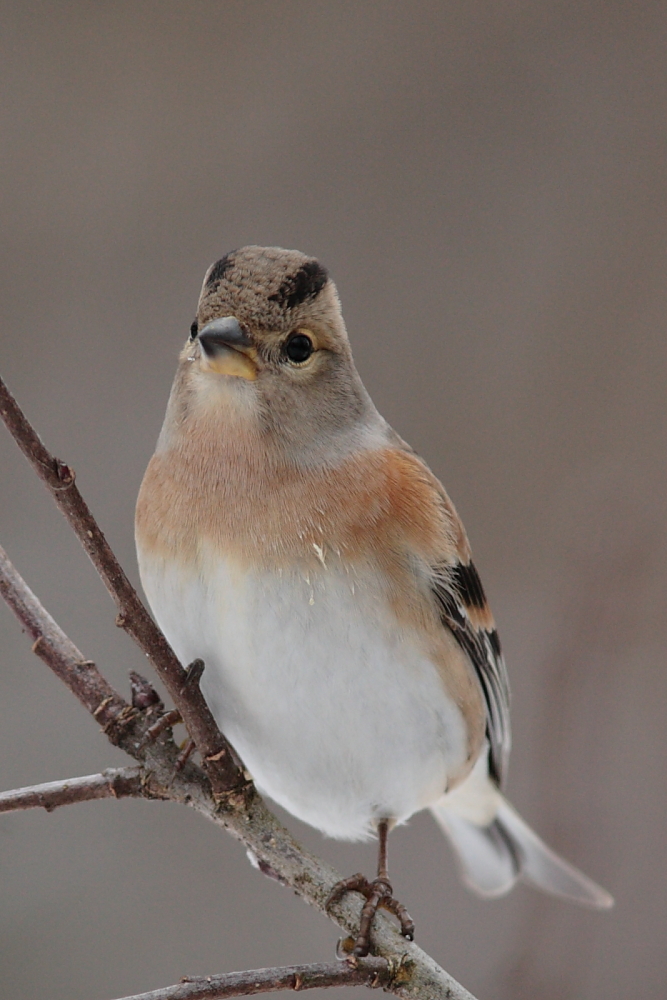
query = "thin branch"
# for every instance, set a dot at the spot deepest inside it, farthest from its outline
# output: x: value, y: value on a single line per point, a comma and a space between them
x: 218, y: 757
x: 59, y: 652
x: 242, y: 813
x: 373, y: 972
x: 114, y: 783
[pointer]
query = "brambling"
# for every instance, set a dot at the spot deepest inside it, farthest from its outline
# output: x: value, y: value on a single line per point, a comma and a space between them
x: 293, y: 541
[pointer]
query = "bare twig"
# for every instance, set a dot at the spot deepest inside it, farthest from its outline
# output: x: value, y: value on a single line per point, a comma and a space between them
x: 373, y: 972
x: 114, y: 783
x: 52, y: 645
x: 166, y: 721
x: 241, y: 812
x: 218, y: 757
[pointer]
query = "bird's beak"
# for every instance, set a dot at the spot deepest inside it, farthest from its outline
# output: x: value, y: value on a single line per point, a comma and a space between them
x: 227, y: 349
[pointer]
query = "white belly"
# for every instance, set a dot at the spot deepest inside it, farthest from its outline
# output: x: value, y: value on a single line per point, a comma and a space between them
x: 338, y: 715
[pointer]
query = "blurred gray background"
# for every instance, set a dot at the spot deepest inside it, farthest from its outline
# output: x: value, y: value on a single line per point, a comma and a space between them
x: 486, y: 183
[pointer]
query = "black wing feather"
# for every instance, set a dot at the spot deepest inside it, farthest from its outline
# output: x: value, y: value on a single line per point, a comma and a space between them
x: 456, y: 588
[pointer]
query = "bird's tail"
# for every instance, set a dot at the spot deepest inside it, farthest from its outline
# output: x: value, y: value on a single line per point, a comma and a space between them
x: 493, y: 856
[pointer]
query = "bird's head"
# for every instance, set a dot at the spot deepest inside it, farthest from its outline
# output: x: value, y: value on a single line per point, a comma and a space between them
x: 268, y: 351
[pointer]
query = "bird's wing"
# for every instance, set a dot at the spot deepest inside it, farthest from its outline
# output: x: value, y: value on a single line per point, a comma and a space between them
x: 463, y: 609
x: 454, y: 583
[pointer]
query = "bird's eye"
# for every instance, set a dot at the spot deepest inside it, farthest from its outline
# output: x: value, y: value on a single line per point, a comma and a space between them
x: 298, y: 348
x: 193, y: 330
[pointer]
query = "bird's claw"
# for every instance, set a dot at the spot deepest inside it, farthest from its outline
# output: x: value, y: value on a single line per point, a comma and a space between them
x: 378, y: 894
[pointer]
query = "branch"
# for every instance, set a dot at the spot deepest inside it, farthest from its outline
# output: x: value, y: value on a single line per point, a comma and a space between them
x: 222, y: 794
x: 373, y: 972
x: 218, y: 757
x: 114, y: 783
x: 58, y: 651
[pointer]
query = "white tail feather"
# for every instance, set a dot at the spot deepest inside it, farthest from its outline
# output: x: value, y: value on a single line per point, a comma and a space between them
x: 494, y: 856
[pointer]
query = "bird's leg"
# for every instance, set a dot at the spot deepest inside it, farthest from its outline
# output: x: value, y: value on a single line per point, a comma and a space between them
x: 378, y: 893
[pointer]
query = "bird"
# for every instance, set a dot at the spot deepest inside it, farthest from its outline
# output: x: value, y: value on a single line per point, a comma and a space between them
x: 289, y: 538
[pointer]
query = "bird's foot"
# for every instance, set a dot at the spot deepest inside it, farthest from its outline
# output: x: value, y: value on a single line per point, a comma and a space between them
x: 378, y: 894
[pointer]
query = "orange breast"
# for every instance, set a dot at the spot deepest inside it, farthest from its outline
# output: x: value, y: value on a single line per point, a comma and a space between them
x: 383, y: 508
